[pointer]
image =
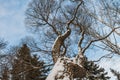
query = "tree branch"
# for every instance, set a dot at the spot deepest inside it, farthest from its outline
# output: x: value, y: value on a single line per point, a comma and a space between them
x: 88, y: 45
x: 81, y: 39
x: 75, y: 13
x: 54, y: 29
x: 105, y: 56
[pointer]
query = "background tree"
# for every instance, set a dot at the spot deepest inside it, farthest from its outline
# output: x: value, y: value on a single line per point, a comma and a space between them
x: 3, y: 60
x: 5, y: 74
x: 116, y: 73
x: 2, y: 44
x: 27, y: 67
x: 94, y: 72
x: 87, y: 23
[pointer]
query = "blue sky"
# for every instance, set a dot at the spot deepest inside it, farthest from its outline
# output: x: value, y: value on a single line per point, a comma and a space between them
x: 12, y: 15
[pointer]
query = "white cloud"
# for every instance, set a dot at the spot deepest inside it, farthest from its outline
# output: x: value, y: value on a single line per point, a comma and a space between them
x: 12, y: 19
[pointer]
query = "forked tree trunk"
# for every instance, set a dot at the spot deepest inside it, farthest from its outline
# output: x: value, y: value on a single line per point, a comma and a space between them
x: 66, y: 69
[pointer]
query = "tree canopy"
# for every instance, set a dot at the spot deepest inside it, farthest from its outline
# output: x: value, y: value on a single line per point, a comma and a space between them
x: 75, y: 27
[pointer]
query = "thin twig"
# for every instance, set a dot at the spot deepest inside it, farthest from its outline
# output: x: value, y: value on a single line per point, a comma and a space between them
x: 105, y: 56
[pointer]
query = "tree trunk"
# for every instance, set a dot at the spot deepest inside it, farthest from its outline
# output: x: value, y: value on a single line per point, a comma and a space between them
x: 66, y: 69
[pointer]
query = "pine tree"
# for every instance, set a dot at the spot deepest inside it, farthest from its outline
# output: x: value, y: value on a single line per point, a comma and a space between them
x: 38, y: 73
x: 5, y: 75
x: 27, y: 67
x: 19, y: 67
x: 116, y: 73
x: 94, y: 72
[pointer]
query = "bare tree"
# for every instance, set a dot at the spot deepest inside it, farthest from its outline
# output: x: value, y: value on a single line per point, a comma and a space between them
x: 66, y: 26
x: 3, y: 59
x: 2, y: 43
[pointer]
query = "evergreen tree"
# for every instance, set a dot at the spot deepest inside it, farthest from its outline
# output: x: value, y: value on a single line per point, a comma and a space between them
x: 94, y: 72
x: 5, y: 75
x: 27, y: 67
x: 38, y: 73
x: 116, y: 73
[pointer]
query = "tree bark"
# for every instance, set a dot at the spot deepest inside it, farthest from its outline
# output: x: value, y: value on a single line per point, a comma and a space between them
x: 57, y: 45
x: 66, y: 69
